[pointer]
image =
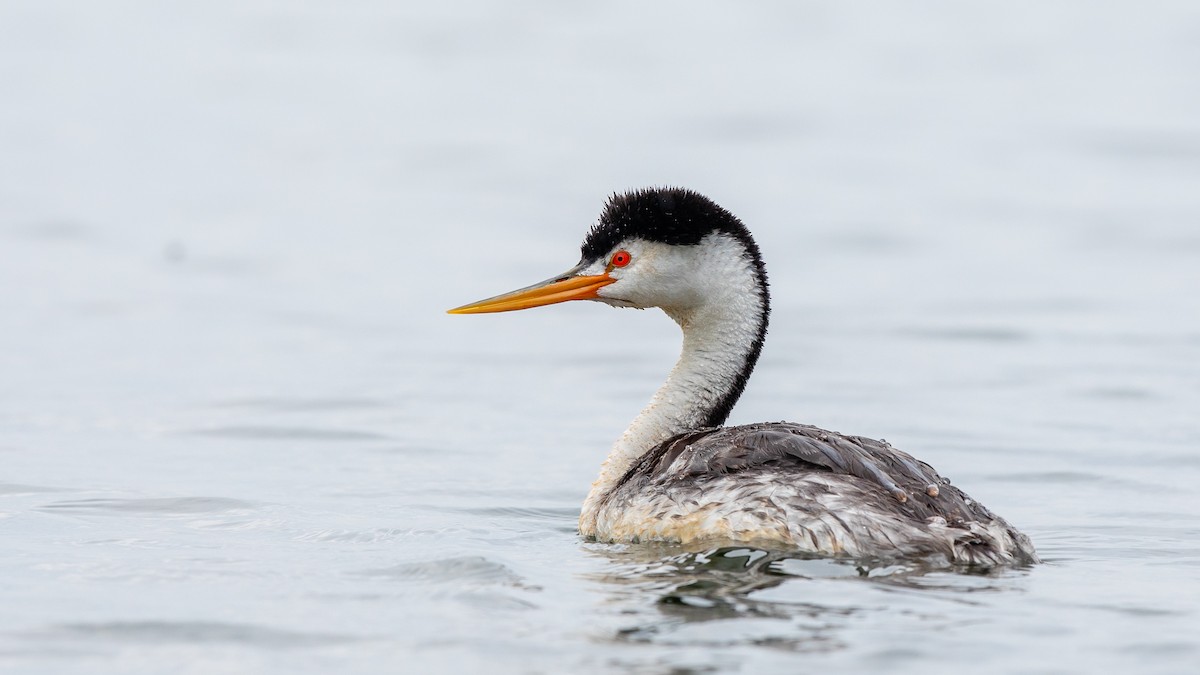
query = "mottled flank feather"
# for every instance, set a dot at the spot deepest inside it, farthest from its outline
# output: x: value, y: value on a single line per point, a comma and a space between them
x: 807, y: 489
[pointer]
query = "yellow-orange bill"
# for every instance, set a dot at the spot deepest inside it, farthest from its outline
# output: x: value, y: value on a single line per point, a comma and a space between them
x: 558, y: 289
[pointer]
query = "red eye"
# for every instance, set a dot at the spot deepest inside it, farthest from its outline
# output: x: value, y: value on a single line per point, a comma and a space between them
x: 621, y: 259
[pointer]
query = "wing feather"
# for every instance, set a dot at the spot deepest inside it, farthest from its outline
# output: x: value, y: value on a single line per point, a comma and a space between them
x: 828, y: 492
x: 787, y: 446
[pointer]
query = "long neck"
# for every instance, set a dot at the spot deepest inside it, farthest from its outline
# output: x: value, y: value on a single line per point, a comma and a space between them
x: 721, y: 343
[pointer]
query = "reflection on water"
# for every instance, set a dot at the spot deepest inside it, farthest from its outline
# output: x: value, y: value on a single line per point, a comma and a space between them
x: 668, y: 592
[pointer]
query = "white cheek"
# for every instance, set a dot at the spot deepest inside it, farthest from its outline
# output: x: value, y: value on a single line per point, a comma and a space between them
x: 618, y: 290
x: 659, y: 276
x: 670, y: 282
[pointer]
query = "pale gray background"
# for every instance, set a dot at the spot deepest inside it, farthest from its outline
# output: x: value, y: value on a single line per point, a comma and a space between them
x: 238, y: 433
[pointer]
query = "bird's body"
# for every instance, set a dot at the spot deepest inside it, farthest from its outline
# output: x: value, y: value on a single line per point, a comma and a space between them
x: 676, y: 475
x: 802, y: 488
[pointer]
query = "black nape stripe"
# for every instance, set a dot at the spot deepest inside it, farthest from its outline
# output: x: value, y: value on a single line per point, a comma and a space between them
x: 681, y: 217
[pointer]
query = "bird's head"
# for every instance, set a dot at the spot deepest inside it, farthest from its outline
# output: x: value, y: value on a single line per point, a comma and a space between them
x: 660, y: 247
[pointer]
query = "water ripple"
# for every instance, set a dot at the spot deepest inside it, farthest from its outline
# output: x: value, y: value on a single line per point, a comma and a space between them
x: 190, y: 632
x: 531, y: 513
x: 167, y: 506
x: 265, y: 433
x: 285, y: 404
x: 968, y: 334
x: 12, y: 489
x: 475, y: 569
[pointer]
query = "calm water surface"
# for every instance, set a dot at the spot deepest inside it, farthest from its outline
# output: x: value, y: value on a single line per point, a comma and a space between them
x: 238, y: 434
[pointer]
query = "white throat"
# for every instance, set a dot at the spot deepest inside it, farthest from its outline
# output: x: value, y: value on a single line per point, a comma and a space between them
x: 720, y: 332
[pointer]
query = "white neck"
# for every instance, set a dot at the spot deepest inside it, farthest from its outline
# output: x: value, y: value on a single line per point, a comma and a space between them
x: 718, y: 337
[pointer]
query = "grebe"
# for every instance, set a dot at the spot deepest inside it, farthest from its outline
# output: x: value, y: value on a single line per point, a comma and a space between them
x: 677, y: 475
